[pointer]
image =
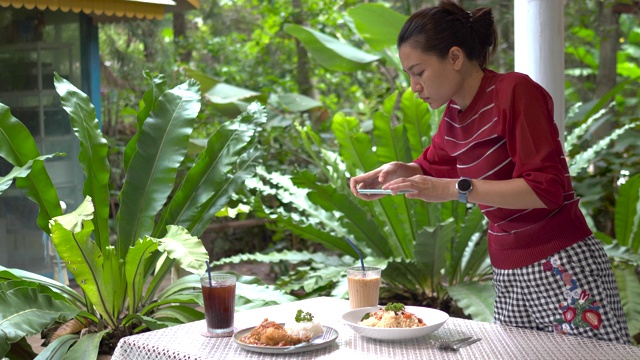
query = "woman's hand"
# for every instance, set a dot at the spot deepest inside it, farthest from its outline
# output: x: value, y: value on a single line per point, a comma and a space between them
x: 376, y: 178
x: 426, y: 188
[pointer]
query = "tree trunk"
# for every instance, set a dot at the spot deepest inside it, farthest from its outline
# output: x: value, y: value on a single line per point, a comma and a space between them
x: 607, y: 61
x: 305, y: 83
x: 179, y: 36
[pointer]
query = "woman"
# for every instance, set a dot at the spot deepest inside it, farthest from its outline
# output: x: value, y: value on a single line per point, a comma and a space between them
x: 497, y: 146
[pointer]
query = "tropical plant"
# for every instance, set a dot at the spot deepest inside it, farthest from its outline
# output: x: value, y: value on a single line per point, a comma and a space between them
x: 160, y: 217
x: 625, y: 248
x: 425, y: 249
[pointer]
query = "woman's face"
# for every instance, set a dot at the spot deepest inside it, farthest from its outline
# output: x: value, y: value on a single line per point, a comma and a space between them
x: 434, y: 80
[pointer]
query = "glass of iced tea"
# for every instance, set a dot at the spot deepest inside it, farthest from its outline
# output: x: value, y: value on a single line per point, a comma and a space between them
x: 364, y: 286
x: 219, y: 294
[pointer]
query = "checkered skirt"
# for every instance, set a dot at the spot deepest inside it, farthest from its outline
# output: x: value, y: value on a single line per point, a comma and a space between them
x: 571, y: 292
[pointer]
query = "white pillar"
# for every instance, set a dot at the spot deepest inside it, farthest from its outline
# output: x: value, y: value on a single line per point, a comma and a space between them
x: 539, y: 48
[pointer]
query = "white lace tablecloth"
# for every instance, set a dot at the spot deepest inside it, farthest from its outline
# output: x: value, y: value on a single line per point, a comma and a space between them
x: 184, y: 342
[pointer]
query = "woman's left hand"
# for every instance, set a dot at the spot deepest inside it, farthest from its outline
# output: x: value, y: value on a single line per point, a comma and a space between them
x: 426, y: 188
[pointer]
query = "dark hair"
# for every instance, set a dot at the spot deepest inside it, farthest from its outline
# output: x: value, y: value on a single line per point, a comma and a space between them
x: 437, y: 29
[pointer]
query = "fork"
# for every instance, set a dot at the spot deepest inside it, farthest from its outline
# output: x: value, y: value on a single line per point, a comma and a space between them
x: 318, y: 339
x: 456, y: 345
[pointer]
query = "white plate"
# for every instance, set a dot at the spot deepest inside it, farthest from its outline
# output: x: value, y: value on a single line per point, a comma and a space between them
x: 281, y: 349
x: 432, y: 317
x: 381, y: 191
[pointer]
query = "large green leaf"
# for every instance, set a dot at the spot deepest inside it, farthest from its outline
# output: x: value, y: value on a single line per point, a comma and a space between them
x: 408, y: 275
x: 466, y: 252
x: 93, y: 154
x: 216, y: 174
x: 58, y: 348
x: 17, y: 146
x: 355, y: 147
x: 627, y: 214
x: 297, y: 102
x: 87, y: 347
x: 6, y: 286
x: 114, y: 277
x: 244, y: 169
x: 331, y: 52
x: 629, y: 286
x: 186, y: 249
x: 358, y: 222
x: 181, y: 313
x: 25, y: 311
x: 135, y: 269
x: 394, y: 212
x: 189, y: 284
x: 151, y: 176
x: 206, y: 81
x: 15, y: 274
x: 475, y: 299
x: 149, y: 99
x: 417, y: 117
x: 20, y: 172
x: 433, y: 248
x: 377, y: 24
x: 71, y: 235
x: 232, y: 100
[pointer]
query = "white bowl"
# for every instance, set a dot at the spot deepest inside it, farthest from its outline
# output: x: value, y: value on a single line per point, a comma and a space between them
x: 432, y: 317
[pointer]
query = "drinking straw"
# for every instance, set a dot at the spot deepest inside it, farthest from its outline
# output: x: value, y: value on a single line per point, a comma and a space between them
x: 358, y: 251
x: 209, y: 272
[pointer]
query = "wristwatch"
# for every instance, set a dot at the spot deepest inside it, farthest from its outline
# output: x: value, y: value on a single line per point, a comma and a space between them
x: 464, y: 187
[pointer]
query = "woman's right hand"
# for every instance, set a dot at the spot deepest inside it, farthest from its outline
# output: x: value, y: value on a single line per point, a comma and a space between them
x: 374, y: 179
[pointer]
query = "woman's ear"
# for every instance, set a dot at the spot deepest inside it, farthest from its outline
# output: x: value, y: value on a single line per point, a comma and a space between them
x: 456, y: 57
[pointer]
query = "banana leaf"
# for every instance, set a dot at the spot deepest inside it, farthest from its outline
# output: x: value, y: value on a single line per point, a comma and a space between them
x: 17, y: 146
x: 377, y: 24
x: 330, y: 52
x: 93, y: 154
x: 161, y: 148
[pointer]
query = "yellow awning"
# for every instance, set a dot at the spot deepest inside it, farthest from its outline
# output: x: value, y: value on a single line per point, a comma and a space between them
x: 102, y: 8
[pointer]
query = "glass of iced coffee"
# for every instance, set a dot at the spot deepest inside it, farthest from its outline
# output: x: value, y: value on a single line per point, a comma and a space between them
x: 219, y: 294
x: 364, y: 286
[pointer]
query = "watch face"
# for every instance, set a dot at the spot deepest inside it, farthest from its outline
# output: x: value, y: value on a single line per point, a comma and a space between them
x: 464, y: 185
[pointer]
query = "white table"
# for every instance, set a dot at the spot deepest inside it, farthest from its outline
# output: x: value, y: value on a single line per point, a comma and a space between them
x: 184, y: 342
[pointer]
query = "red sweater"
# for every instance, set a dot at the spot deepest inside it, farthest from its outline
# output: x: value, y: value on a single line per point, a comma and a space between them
x: 507, y: 132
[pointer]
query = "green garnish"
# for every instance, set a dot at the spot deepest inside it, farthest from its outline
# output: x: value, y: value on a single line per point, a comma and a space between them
x: 397, y: 307
x: 303, y: 316
x: 366, y: 316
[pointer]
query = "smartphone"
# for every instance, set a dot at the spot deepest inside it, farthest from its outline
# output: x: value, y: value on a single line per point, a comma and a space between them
x: 381, y: 191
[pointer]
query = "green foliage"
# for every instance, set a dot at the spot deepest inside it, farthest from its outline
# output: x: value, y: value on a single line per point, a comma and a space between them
x: 330, y: 52
x: 160, y: 216
x: 627, y: 214
x: 427, y: 245
x: 475, y: 298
